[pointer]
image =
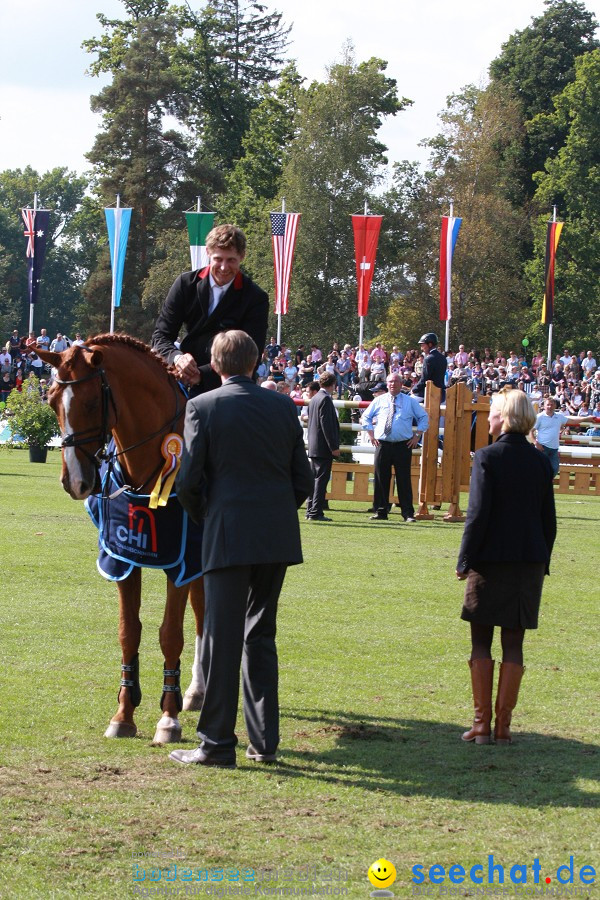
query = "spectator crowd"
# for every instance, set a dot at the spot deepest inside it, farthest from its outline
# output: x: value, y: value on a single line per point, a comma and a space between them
x: 19, y: 362
x: 573, y: 379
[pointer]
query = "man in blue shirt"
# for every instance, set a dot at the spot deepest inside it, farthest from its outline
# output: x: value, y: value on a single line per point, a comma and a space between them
x: 389, y: 424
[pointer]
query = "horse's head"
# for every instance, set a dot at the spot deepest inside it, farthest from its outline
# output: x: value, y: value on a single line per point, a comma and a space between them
x: 79, y: 397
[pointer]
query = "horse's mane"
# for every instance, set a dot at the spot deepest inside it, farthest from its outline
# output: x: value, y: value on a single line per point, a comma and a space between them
x: 127, y: 340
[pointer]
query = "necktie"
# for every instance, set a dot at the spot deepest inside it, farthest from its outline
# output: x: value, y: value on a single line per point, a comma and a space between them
x: 387, y: 428
x: 216, y: 296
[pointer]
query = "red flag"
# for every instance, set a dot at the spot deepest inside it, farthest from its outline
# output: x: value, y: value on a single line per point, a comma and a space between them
x: 366, y: 237
x: 552, y: 239
x: 284, y: 229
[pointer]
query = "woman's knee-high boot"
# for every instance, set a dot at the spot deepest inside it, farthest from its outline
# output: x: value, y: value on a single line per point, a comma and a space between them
x: 482, y: 680
x: 509, y: 682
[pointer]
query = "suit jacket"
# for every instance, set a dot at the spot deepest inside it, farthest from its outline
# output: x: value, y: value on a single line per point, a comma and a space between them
x: 511, y: 515
x: 243, y: 464
x: 434, y: 369
x: 244, y: 305
x: 323, y: 427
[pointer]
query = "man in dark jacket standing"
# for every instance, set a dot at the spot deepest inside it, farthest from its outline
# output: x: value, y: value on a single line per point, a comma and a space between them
x: 434, y: 366
x: 233, y: 474
x: 207, y: 302
x: 323, y: 444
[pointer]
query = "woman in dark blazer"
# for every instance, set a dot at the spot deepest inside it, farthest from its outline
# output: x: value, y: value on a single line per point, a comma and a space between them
x: 504, y: 555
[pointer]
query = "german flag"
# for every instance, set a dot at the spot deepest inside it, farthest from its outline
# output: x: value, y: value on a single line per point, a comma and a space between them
x: 552, y: 239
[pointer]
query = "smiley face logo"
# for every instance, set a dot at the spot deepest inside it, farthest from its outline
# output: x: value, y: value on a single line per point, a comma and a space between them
x: 381, y: 873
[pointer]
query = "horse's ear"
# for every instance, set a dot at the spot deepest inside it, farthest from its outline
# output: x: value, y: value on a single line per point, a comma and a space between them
x: 96, y: 358
x: 50, y: 357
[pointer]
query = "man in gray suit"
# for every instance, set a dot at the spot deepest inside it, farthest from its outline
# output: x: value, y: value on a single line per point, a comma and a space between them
x: 323, y: 444
x: 243, y: 462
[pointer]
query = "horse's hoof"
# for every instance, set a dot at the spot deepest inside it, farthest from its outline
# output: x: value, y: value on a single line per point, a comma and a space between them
x: 120, y: 730
x: 193, y: 700
x: 168, y: 731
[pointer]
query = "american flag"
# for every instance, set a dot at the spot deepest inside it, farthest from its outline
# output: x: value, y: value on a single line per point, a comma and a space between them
x: 284, y: 228
x: 29, y: 233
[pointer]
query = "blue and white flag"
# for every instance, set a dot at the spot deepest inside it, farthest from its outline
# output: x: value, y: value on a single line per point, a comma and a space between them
x: 450, y: 229
x: 117, y: 223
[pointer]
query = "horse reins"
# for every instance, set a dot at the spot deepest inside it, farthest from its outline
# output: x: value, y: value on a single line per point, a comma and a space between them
x: 77, y: 439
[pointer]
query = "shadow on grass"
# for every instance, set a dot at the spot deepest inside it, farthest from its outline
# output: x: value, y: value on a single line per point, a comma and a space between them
x: 412, y: 757
x: 393, y: 521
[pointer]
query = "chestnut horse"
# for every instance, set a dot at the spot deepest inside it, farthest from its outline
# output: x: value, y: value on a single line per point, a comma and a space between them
x: 115, y: 385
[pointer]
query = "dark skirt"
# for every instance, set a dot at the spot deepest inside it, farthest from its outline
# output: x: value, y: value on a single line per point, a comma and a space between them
x: 507, y: 594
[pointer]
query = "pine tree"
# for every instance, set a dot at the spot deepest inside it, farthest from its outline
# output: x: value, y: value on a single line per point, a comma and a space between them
x: 135, y: 154
x: 236, y: 49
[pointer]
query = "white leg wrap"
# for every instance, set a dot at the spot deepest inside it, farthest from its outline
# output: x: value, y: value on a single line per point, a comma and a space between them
x: 197, y: 673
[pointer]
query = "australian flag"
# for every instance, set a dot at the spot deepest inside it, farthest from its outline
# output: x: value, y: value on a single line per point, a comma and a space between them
x: 36, y: 228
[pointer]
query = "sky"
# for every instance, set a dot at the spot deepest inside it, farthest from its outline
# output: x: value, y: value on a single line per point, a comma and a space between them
x: 433, y: 48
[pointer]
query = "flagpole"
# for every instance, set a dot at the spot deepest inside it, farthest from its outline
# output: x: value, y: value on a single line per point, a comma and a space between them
x: 280, y: 298
x: 114, y: 266
x: 198, y: 203
x: 551, y: 323
x: 35, y: 206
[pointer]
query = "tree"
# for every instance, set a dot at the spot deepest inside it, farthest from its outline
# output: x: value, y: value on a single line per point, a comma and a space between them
x: 256, y: 176
x: 470, y: 164
x: 166, y: 63
x: 536, y: 64
x: 60, y: 191
x: 334, y: 163
x: 236, y: 48
x: 409, y: 244
x: 571, y: 180
x: 135, y: 155
x: 254, y: 184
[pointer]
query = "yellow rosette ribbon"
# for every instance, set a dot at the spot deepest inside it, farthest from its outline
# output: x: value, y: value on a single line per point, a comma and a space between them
x: 171, y: 449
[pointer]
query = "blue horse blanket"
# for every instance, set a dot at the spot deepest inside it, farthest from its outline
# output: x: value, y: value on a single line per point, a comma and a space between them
x: 131, y: 534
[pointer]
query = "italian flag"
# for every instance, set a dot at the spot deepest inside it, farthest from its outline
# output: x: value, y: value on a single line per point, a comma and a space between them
x: 199, y: 224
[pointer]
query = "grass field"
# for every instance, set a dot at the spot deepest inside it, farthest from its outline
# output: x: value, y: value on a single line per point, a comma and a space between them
x: 374, y: 693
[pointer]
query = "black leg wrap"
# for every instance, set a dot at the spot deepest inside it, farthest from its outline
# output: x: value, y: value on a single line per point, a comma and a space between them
x: 133, y: 682
x: 172, y: 688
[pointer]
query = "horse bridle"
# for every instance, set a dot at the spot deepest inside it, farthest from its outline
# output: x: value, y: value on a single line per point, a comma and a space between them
x: 77, y: 439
